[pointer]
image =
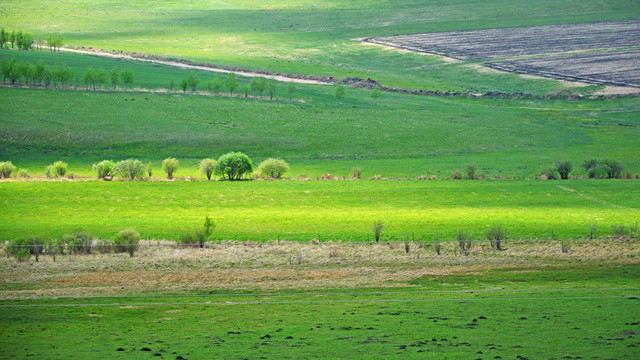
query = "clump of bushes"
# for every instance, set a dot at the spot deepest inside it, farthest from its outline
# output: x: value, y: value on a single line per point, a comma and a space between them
x: 207, y: 167
x: 233, y: 166
x: 127, y: 241
x: 6, y: 168
x: 129, y: 169
x: 456, y: 175
x: 470, y: 170
x: 550, y: 173
x: 273, y: 168
x: 356, y: 173
x: 105, y: 169
x: 57, y: 169
x: 563, y: 168
x: 603, y: 169
x: 78, y: 242
x: 170, y: 166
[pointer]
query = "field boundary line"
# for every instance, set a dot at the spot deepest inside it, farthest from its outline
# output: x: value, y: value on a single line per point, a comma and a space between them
x: 316, y: 293
x: 582, y: 195
x: 228, y: 303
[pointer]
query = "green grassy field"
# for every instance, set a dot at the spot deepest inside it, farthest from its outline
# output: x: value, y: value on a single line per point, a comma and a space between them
x: 324, y: 210
x: 561, y: 314
x: 403, y: 136
x: 311, y: 37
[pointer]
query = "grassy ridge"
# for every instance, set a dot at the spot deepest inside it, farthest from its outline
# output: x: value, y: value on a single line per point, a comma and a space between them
x: 401, y: 136
x: 328, y: 210
x: 313, y: 37
x: 391, y: 325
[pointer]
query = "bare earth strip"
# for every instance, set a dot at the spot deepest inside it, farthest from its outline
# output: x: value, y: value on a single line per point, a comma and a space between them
x: 618, y: 68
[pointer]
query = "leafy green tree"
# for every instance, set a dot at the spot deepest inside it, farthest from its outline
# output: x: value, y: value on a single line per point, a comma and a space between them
x: 184, y: 84
x: 210, y: 85
x: 18, y: 39
x: 170, y: 165
x: 172, y: 84
x: 262, y: 86
x: 193, y: 81
x: 114, y: 75
x: 12, y: 38
x: 47, y: 77
x: 40, y: 67
x: 233, y: 165
x: 129, y: 169
x: 217, y: 84
x: 100, y: 77
x: 207, y: 230
x: 470, y: 170
x: 104, y: 169
x: 564, y: 168
x: 26, y: 72
x: 127, y: 77
x: 15, y: 72
x: 232, y: 83
x: 67, y: 76
x: 272, y: 89
x: 291, y: 88
x: 273, y: 168
x: 339, y: 93
x: 253, y: 85
x: 127, y: 241
x: 5, y: 68
x: 88, y: 78
x: 3, y: 38
x: 375, y: 94
x: 208, y: 166
x: 245, y: 90
x: 26, y: 43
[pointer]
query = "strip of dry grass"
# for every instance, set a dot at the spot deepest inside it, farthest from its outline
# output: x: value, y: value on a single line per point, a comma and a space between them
x: 270, y: 267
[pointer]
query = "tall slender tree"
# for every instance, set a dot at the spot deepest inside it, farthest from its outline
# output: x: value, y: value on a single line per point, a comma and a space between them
x: 114, y: 75
x: 127, y: 77
x: 232, y: 83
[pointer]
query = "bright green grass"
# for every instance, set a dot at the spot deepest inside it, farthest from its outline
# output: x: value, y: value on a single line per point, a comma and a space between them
x: 309, y: 37
x: 592, y: 320
x: 403, y: 136
x: 324, y: 210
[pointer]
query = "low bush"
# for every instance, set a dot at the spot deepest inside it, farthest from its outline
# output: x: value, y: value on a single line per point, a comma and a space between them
x: 170, y: 166
x: 129, y: 169
x: 456, y: 175
x: 127, y: 241
x: 356, y: 173
x: 104, y: 247
x: 207, y: 167
x: 550, y: 174
x: 620, y: 231
x: 495, y: 235
x: 78, y: 242
x: 464, y: 241
x: 59, y: 168
x: 23, y: 174
x: 233, y: 165
x: 104, y: 169
x: 273, y: 168
x: 603, y: 169
x: 54, y: 247
x: 470, y: 170
x: 6, y: 168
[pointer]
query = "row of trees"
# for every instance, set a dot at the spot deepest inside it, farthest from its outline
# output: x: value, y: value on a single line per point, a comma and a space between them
x: 24, y: 40
x: 230, y: 166
x: 595, y: 169
x: 232, y: 85
x: 43, y: 74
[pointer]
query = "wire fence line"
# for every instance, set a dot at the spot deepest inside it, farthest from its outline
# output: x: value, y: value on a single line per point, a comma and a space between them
x: 168, y: 243
x: 279, y: 294
x: 231, y: 303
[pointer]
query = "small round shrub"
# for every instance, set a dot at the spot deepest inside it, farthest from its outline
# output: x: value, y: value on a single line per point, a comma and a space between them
x: 129, y: 169
x: 233, y: 165
x: 564, y: 168
x: 59, y: 168
x: 170, y: 165
x: 23, y: 174
x: 208, y: 166
x: 104, y: 169
x: 273, y: 168
x: 456, y: 175
x: 6, y: 168
x: 551, y: 173
x: 127, y: 241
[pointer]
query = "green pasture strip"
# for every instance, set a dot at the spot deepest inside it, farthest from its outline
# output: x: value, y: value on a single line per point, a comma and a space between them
x: 390, y: 323
x: 403, y: 136
x: 312, y: 38
x: 329, y: 210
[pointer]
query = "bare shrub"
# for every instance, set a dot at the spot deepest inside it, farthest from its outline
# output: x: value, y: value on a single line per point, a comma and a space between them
x: 376, y: 227
x: 464, y: 241
x: 495, y: 235
x: 565, y: 245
